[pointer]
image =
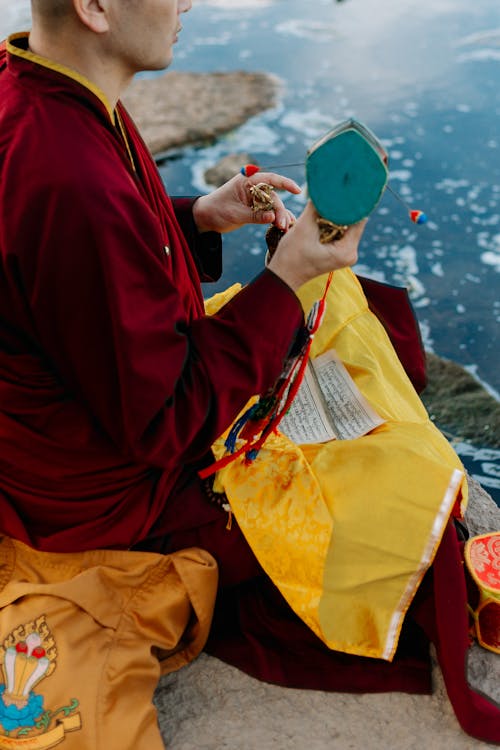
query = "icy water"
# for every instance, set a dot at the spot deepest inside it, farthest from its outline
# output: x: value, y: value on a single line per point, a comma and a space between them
x: 424, y: 76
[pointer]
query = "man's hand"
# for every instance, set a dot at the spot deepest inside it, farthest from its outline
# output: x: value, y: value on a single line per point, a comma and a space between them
x: 230, y: 206
x: 300, y: 256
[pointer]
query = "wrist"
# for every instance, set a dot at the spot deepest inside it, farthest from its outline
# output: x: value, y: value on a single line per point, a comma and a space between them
x: 292, y: 275
x: 202, y: 214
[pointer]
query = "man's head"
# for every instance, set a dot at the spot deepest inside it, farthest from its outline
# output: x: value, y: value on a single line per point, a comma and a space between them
x: 138, y: 34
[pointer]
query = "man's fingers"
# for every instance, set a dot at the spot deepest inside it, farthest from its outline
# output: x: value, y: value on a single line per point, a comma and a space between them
x: 278, y: 181
x: 281, y: 217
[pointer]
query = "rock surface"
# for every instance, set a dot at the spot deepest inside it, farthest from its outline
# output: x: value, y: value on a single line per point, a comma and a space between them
x: 460, y: 405
x: 226, y: 168
x: 212, y: 706
x: 177, y: 108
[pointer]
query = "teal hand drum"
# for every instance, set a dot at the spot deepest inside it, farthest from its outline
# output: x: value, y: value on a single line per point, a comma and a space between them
x: 346, y: 173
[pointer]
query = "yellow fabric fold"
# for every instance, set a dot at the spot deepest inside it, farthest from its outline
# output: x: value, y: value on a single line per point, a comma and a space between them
x: 347, y: 529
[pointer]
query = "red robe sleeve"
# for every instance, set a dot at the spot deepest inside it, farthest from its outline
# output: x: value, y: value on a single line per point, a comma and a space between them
x: 110, y: 314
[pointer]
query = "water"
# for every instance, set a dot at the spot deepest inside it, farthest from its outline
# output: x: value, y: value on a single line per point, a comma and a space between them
x: 423, y: 75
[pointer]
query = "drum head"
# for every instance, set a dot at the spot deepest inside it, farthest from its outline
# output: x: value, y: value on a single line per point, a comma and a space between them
x: 346, y: 174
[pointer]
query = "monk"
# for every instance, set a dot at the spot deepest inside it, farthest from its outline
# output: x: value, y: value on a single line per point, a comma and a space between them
x: 115, y: 383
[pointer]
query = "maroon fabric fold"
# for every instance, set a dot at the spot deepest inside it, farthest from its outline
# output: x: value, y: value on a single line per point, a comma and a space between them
x: 255, y: 630
x: 112, y: 378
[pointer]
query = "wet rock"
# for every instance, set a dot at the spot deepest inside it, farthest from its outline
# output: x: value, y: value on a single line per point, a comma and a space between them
x: 226, y: 168
x: 459, y: 404
x: 177, y: 108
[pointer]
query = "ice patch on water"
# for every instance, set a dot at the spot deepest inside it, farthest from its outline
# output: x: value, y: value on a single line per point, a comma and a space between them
x: 406, y: 273
x: 363, y: 270
x: 491, y: 259
x: 411, y: 109
x: 403, y: 175
x: 437, y: 269
x: 312, y: 124
x: 258, y: 136
x: 425, y: 332
x: 318, y: 31
x: 449, y: 185
x: 479, y: 37
x: 479, y: 55
x: 491, y: 246
x: 421, y: 302
x: 238, y: 4
x: 406, y: 260
x: 217, y: 40
x: 247, y: 138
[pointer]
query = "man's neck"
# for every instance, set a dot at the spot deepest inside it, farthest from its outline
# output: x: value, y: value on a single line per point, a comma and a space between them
x: 85, y: 58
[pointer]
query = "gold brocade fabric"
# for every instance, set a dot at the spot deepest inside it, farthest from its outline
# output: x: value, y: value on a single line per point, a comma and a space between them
x: 347, y: 529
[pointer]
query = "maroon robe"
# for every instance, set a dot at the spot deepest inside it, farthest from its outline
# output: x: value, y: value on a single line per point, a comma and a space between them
x: 111, y: 377
x: 113, y: 385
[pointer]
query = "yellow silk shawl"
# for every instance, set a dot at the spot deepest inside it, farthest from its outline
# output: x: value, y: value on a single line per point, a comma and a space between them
x: 347, y: 529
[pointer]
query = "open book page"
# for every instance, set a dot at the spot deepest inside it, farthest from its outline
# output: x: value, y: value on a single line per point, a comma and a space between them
x: 307, y: 420
x: 328, y: 405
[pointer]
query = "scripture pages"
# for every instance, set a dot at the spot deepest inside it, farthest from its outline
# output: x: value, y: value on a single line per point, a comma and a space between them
x: 328, y: 405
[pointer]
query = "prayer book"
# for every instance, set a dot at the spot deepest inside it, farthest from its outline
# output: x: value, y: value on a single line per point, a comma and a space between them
x: 328, y: 405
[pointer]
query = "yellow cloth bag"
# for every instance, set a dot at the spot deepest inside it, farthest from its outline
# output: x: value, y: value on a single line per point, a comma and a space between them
x: 346, y: 529
x: 84, y: 637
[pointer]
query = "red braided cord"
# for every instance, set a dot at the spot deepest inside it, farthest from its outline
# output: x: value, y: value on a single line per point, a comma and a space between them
x: 272, y: 424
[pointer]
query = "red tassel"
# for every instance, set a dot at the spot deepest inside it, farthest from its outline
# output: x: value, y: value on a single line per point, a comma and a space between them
x: 252, y: 429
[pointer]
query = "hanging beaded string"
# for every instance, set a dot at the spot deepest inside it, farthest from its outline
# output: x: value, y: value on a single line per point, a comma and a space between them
x: 219, y: 500
x: 264, y: 417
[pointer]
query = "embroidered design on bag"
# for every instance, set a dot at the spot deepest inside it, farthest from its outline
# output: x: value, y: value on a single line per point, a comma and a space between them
x: 27, y: 656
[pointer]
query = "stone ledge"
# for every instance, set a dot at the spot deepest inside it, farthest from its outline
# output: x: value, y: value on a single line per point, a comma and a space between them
x: 176, y: 109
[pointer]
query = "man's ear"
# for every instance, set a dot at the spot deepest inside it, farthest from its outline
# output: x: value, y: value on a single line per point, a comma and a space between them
x: 93, y: 14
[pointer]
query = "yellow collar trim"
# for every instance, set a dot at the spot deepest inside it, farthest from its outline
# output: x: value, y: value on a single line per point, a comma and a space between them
x: 12, y: 49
